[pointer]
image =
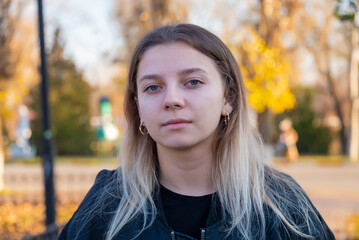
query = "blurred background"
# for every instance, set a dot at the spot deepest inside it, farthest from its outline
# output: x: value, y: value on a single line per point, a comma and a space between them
x: 299, y: 60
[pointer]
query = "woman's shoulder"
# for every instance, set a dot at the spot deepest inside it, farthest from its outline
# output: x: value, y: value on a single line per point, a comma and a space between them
x: 294, y: 204
x: 105, y: 177
x: 286, y: 194
x: 105, y: 188
x: 105, y: 182
x: 100, y: 200
x: 280, y: 182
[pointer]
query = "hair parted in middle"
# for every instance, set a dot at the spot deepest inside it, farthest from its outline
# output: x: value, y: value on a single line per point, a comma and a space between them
x: 239, y: 167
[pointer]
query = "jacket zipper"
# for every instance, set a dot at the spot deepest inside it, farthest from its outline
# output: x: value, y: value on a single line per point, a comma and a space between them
x: 203, y: 231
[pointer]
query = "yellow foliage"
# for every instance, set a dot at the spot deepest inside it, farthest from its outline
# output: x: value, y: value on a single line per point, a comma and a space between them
x: 266, y: 73
x: 24, y: 54
x: 18, y: 220
x: 352, y: 226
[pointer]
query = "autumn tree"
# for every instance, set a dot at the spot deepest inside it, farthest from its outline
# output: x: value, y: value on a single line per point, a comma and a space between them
x: 18, y: 62
x: 326, y: 53
x: 266, y: 73
x: 295, y: 30
x: 317, y: 32
x: 252, y: 30
x: 136, y: 17
x: 69, y: 105
x: 274, y: 16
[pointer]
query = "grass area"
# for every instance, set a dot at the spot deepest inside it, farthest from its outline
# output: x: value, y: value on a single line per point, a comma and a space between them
x: 325, y: 159
x: 319, y: 159
x: 10, y: 192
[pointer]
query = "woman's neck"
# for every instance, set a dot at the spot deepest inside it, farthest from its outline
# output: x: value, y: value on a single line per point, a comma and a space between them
x: 187, y: 172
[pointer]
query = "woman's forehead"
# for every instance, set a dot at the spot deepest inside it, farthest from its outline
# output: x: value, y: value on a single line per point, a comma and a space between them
x: 175, y: 56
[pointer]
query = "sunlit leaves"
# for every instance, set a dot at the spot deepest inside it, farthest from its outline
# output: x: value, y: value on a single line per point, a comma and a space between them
x: 19, y: 219
x: 26, y: 218
x: 265, y: 71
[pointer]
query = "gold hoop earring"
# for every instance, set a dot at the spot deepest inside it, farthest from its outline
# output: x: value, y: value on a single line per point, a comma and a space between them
x: 226, y: 118
x: 143, y: 129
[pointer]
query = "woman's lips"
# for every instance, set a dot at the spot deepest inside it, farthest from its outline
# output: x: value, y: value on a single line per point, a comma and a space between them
x: 176, y: 123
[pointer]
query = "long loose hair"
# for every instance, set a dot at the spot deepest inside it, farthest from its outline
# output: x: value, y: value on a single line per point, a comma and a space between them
x: 243, y: 181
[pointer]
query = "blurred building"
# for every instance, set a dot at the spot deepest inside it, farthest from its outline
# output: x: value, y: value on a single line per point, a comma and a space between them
x: 107, y: 118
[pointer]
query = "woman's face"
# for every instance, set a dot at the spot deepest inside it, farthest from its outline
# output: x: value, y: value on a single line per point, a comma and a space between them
x: 180, y: 96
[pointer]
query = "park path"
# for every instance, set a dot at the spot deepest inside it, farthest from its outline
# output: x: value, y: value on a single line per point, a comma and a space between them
x: 334, y: 189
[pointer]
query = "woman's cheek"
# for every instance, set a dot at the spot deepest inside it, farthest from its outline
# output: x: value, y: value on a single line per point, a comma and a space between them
x: 147, y: 112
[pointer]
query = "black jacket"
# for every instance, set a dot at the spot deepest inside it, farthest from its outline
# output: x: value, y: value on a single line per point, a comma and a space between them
x: 95, y: 227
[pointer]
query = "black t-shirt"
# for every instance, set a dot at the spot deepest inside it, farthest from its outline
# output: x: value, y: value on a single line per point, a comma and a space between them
x: 186, y: 214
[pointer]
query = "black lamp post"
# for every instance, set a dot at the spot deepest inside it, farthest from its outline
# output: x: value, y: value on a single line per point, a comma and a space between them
x: 47, y: 134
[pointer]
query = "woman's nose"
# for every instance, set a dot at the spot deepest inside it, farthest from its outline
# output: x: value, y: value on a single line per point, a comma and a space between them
x: 173, y: 98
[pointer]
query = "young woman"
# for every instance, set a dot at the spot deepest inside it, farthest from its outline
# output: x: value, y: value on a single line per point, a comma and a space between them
x: 191, y: 165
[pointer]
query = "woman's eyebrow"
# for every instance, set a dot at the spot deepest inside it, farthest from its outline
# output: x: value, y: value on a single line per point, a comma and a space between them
x: 180, y: 73
x: 151, y: 77
x: 191, y: 70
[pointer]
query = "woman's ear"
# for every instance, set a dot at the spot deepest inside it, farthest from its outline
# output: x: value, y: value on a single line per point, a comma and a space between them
x: 227, y: 108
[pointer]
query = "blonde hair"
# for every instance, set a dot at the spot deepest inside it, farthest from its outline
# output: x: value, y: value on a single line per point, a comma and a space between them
x: 244, y: 183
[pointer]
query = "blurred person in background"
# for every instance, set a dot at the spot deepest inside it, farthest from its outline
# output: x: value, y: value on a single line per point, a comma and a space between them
x: 192, y: 167
x: 289, y: 137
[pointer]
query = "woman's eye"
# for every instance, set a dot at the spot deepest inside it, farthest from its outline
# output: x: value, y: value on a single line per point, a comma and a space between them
x: 194, y: 82
x: 152, y: 88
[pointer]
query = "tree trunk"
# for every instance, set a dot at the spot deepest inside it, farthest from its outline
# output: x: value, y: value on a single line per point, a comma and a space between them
x: 354, y: 95
x: 354, y: 143
x: 266, y: 28
x: 2, y: 158
x: 338, y: 109
x: 264, y: 126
